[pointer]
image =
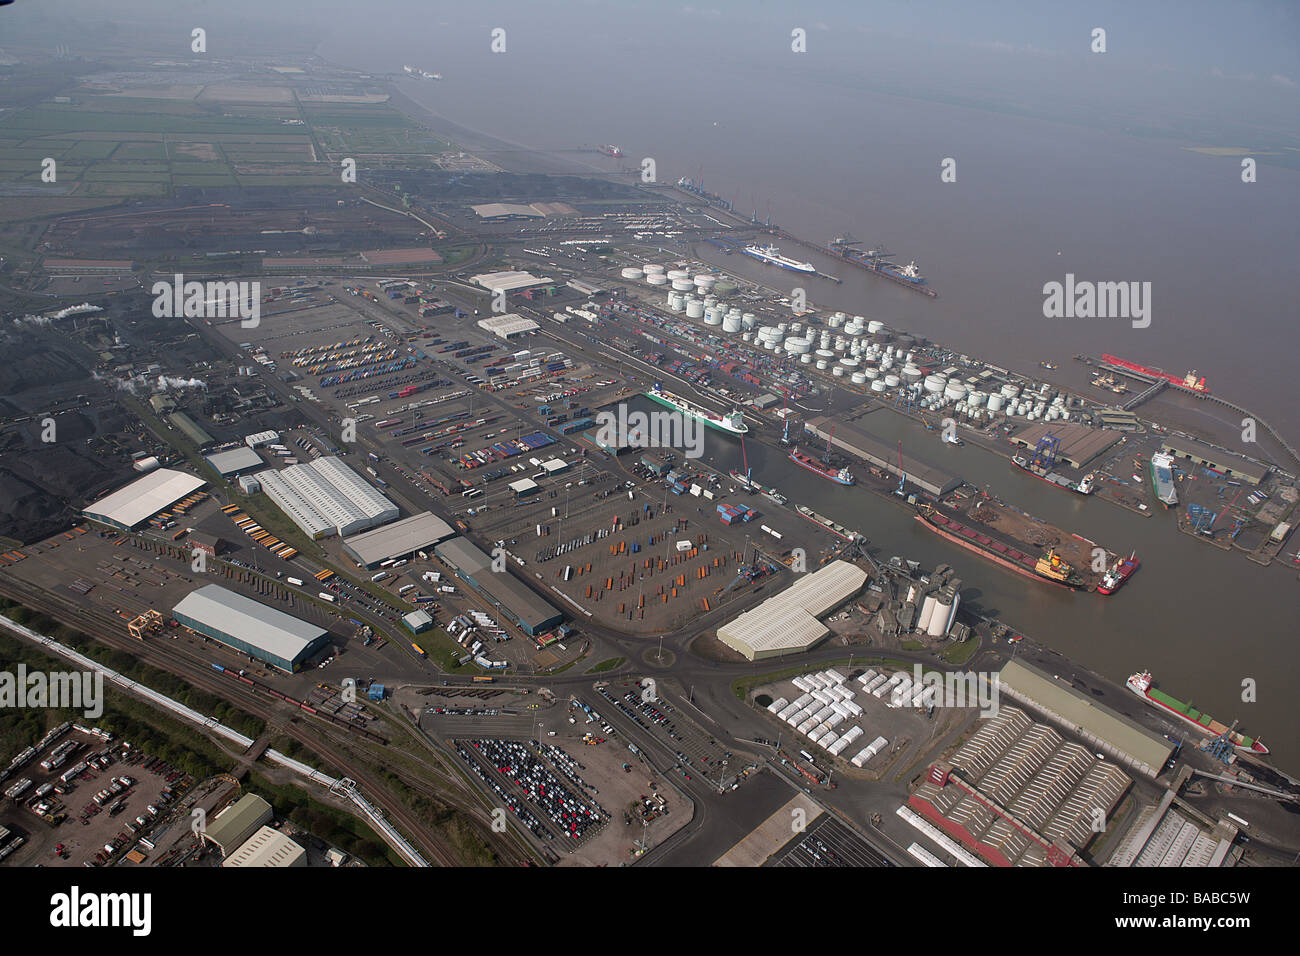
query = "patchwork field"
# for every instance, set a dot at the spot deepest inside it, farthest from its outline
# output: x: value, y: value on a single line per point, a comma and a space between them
x: 146, y: 141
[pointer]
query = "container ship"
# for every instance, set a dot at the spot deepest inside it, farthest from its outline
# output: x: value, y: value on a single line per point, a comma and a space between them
x: 841, y: 476
x: 1141, y: 684
x: 1118, y: 574
x: 1188, y: 382
x: 732, y: 422
x: 832, y: 526
x: 749, y: 484
x: 1047, y: 567
x: 877, y: 261
x: 1162, y: 479
x: 1084, y: 486
x: 772, y: 256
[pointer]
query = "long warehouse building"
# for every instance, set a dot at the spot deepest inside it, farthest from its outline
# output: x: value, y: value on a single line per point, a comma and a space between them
x: 862, y: 444
x: 515, y: 599
x: 401, y: 539
x: 132, y: 505
x: 325, y: 497
x: 788, y: 622
x: 249, y: 627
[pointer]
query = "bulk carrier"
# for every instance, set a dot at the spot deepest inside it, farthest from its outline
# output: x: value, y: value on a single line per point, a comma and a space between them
x: 877, y: 261
x: 841, y: 476
x: 1141, y: 684
x: 1083, y: 486
x: 733, y: 422
x: 822, y: 521
x: 772, y: 256
x: 1048, y: 567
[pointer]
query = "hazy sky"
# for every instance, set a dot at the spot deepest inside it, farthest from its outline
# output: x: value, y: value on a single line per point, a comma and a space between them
x: 1203, y: 58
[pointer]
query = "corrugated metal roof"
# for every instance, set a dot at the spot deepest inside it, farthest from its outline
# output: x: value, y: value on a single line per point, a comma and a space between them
x: 789, y: 620
x: 233, y: 825
x: 1080, y: 710
x: 415, y: 533
x: 145, y: 496
x: 279, y: 634
x: 326, y: 494
x: 267, y: 847
x: 235, y: 459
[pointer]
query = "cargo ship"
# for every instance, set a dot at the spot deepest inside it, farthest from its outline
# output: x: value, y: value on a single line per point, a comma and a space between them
x: 1084, y: 486
x: 833, y: 527
x: 1118, y: 574
x: 733, y: 422
x: 1048, y: 567
x: 611, y: 151
x: 877, y: 261
x: 841, y: 476
x: 1141, y: 684
x: 421, y: 74
x: 1162, y: 479
x: 1189, y: 382
x: 772, y: 256
x: 749, y: 484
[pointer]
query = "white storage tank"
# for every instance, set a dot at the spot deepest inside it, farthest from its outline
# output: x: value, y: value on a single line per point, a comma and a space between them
x: 838, y: 371
x: 927, y: 611
x: 995, y: 402
x: 874, y: 326
x: 871, y: 374
x: 656, y: 278
x: 976, y: 399
x: 731, y: 324
x: 938, y: 625
x: 954, y: 391
x: 891, y: 381
x: 749, y: 320
x: 678, y: 274
x: 934, y: 384
x: 705, y: 282
x: 806, y: 359
x: 821, y: 364
x: 632, y: 272
x: 683, y: 285
x: 878, y: 385
x: 796, y: 345
x: 653, y: 268
x: 695, y: 310
x: 859, y: 378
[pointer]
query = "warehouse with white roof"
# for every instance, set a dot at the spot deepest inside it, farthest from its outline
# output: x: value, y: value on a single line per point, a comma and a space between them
x: 401, y: 539
x: 508, y: 325
x: 143, y: 498
x: 788, y: 622
x: 325, y: 497
x: 267, y: 847
x: 279, y: 639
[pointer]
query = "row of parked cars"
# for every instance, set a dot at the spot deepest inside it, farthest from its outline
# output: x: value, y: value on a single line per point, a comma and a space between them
x: 567, y: 810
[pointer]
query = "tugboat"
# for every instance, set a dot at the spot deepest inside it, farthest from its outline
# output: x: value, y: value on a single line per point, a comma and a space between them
x: 1054, y: 568
x: 1118, y: 574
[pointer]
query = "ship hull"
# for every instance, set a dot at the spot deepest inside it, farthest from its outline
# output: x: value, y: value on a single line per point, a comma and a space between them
x: 873, y: 267
x: 697, y: 415
x: 1127, y: 568
x: 1011, y: 565
x: 802, y: 267
x: 824, y: 523
x: 1115, y: 362
x: 810, y: 465
x: 1213, y: 729
x: 1165, y: 491
x: 1072, y: 487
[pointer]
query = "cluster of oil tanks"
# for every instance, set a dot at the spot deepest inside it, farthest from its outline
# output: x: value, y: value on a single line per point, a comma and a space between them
x: 862, y: 350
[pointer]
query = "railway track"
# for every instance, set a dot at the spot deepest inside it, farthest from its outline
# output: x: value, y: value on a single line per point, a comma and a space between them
x: 201, y: 675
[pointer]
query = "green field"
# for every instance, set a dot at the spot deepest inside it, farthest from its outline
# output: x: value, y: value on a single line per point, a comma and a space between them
x: 120, y: 147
